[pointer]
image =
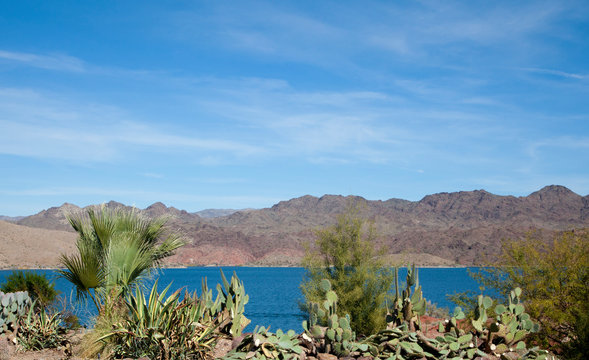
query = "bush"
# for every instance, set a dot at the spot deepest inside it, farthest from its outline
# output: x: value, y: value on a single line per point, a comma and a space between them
x: 345, y: 255
x: 554, y: 277
x: 40, y: 289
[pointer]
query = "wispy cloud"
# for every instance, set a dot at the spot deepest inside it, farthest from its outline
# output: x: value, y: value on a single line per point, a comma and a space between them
x: 343, y: 37
x: 59, y: 62
x: 39, y: 125
x: 558, y: 73
x: 580, y: 143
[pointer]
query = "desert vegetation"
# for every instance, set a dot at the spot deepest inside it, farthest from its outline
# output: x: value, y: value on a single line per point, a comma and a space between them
x: 345, y: 254
x: 356, y: 306
x: 554, y: 277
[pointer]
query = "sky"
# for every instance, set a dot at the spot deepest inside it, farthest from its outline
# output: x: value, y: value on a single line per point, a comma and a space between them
x: 242, y: 104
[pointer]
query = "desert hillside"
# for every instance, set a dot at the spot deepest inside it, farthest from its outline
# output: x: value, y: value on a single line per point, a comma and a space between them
x: 22, y: 246
x: 460, y: 228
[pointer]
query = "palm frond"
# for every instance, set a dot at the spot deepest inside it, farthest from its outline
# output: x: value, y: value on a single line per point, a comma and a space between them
x: 117, y: 249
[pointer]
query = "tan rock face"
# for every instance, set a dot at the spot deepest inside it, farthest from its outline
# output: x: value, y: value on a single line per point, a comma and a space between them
x: 211, y: 255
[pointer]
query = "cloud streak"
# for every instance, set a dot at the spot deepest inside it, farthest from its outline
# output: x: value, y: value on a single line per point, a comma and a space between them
x: 559, y: 73
x: 35, y: 124
x: 58, y: 62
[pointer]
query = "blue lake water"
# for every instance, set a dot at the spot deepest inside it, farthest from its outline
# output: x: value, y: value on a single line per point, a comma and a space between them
x: 274, y: 292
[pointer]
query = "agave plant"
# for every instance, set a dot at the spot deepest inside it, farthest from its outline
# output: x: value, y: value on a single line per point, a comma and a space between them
x: 162, y: 328
x: 40, y: 330
x: 116, y: 249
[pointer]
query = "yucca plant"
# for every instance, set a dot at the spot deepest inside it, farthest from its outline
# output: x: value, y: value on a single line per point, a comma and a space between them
x: 40, y: 330
x: 116, y: 249
x: 162, y: 328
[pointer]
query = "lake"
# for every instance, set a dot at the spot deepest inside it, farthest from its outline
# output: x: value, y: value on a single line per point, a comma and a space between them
x: 274, y: 292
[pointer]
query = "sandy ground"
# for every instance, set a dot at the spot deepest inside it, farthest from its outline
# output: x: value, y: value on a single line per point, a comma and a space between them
x: 26, y: 247
x: 9, y: 351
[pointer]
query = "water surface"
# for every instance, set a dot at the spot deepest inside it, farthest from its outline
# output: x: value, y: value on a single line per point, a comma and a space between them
x: 273, y: 292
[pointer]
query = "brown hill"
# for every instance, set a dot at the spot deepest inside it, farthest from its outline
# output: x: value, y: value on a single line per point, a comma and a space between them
x: 440, y: 229
x: 24, y: 247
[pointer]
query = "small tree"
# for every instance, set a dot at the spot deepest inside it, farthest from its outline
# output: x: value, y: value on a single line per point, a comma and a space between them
x: 554, y: 277
x: 38, y: 286
x: 345, y: 255
x: 116, y: 249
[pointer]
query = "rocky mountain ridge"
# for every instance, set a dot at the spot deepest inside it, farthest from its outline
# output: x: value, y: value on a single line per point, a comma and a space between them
x: 460, y: 228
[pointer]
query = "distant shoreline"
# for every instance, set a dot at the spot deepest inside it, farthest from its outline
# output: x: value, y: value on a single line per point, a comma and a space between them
x: 241, y: 266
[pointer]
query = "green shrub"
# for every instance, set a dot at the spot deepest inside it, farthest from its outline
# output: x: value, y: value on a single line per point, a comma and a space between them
x: 554, y: 277
x: 578, y: 348
x: 345, y: 255
x: 40, y: 289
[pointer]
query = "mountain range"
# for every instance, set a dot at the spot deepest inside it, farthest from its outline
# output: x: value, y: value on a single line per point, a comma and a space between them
x: 444, y: 229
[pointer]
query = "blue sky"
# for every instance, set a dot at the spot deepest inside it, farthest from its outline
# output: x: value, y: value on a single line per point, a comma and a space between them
x: 225, y: 104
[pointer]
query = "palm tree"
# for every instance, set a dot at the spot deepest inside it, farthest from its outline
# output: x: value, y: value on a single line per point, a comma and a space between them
x: 116, y: 250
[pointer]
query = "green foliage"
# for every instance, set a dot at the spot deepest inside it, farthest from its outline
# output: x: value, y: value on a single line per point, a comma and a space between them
x: 577, y: 348
x: 553, y: 276
x: 161, y: 328
x: 467, y: 301
x: 13, y: 306
x: 40, y: 330
x: 116, y: 249
x: 262, y: 345
x: 345, y: 255
x: 40, y: 289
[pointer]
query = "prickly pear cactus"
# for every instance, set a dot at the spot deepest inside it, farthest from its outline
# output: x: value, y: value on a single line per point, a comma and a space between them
x: 503, y: 338
x: 512, y: 324
x: 262, y: 344
x: 12, y: 307
x: 332, y: 332
x: 227, y: 309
